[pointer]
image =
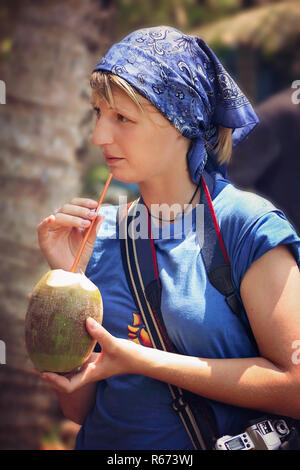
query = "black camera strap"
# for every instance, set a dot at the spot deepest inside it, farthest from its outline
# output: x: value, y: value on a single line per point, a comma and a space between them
x: 140, y: 266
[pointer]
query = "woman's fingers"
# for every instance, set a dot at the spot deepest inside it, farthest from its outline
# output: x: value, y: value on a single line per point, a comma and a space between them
x: 57, y: 382
x: 84, y: 202
x: 72, y: 214
x: 67, y: 220
x: 70, y: 382
x: 76, y: 215
x: 68, y: 216
x: 46, y: 222
x: 64, y: 384
x: 44, y: 227
x: 98, y: 222
x: 98, y: 332
x: 78, y: 211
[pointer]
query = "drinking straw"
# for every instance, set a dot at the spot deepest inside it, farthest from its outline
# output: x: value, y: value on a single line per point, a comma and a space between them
x: 88, y: 231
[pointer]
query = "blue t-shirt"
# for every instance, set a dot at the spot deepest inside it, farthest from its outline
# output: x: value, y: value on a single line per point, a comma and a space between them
x: 134, y: 411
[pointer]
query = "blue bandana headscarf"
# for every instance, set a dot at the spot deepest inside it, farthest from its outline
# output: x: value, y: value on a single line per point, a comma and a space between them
x: 182, y: 77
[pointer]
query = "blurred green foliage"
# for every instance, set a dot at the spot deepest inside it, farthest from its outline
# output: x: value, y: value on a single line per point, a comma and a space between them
x: 183, y: 14
x: 93, y: 179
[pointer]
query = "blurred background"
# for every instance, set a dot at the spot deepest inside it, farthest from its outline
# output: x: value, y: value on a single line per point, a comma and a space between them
x: 47, y: 51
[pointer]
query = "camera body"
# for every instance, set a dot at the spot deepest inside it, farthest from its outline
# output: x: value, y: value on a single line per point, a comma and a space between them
x: 238, y: 442
x: 263, y: 434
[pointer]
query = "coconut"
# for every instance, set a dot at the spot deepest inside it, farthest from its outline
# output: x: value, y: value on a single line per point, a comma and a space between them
x: 55, y: 333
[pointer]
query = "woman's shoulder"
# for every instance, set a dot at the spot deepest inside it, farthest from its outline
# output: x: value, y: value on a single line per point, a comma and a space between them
x: 240, y: 206
x: 244, y: 216
x: 250, y: 226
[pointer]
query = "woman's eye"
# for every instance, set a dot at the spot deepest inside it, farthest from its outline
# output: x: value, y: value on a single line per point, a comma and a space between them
x: 122, y: 118
x: 97, y: 111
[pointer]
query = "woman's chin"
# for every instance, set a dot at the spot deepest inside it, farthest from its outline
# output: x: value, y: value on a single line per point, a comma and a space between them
x: 122, y: 178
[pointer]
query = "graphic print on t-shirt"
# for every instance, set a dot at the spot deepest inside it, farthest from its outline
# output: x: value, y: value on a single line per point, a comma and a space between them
x: 137, y: 331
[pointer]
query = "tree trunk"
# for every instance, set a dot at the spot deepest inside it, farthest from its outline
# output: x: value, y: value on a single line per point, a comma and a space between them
x: 44, y: 127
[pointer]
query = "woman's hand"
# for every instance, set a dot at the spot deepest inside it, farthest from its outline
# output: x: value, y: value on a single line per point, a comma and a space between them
x: 118, y: 356
x: 60, y: 236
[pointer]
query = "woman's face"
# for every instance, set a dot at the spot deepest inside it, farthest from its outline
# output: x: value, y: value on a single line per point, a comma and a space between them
x: 137, y: 146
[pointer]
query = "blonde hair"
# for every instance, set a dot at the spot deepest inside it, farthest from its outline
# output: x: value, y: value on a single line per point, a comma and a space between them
x: 100, y: 83
x: 223, y: 145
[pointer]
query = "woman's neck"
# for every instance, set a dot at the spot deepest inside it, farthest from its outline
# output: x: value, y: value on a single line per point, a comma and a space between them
x: 168, y: 198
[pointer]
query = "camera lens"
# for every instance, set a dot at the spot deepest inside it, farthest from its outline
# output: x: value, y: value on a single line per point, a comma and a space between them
x: 281, y: 427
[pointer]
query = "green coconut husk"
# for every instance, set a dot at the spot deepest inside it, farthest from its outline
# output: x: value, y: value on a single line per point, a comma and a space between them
x: 55, y: 333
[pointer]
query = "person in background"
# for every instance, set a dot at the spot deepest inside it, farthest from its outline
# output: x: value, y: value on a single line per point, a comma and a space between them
x: 268, y: 161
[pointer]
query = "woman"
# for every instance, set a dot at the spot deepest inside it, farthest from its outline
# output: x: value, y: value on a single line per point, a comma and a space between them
x: 166, y: 110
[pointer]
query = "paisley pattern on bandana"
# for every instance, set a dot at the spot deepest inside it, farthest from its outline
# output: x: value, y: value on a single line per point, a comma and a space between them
x: 183, y: 78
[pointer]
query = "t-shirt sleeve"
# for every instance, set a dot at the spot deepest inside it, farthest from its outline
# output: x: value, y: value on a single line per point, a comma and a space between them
x: 256, y: 227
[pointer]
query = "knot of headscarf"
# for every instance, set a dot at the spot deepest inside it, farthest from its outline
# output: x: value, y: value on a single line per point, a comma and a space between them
x: 182, y: 77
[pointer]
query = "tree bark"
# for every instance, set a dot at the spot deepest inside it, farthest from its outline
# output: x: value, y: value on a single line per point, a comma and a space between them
x: 44, y: 127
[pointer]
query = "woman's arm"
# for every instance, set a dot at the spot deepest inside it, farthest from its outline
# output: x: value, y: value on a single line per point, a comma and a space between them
x: 271, y: 295
x: 77, y: 405
x: 271, y: 383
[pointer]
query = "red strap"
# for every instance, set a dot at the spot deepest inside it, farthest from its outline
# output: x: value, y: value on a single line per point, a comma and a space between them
x: 214, y: 218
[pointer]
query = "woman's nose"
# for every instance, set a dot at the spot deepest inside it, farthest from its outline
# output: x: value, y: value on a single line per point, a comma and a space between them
x: 102, y: 133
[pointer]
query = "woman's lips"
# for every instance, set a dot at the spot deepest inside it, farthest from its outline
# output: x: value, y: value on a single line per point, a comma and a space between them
x: 112, y: 159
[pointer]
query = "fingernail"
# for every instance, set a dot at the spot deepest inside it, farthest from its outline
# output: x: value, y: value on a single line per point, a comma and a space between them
x: 92, y: 323
x: 92, y: 213
x: 85, y: 223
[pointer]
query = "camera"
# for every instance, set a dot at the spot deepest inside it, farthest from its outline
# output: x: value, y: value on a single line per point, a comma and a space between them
x: 263, y: 434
